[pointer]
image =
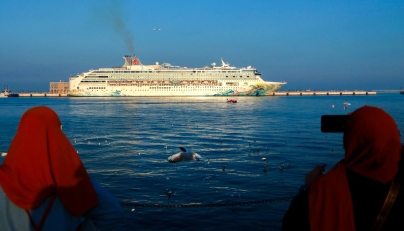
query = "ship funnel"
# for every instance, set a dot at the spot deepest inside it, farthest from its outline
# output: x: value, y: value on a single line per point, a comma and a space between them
x: 128, y: 60
x: 136, y: 60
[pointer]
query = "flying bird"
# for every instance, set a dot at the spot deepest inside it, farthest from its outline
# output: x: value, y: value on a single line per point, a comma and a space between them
x: 157, y: 29
x: 185, y: 155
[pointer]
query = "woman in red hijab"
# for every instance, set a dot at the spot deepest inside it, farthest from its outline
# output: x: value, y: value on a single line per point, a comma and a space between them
x: 44, y: 185
x: 352, y: 194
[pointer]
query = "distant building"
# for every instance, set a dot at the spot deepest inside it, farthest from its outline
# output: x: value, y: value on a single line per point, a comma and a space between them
x: 59, y: 87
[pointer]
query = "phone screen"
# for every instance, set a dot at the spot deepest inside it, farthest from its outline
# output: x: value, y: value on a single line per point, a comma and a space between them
x: 333, y: 123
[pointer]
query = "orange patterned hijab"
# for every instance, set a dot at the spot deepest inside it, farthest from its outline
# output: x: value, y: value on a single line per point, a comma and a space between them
x: 42, y: 162
x: 372, y: 149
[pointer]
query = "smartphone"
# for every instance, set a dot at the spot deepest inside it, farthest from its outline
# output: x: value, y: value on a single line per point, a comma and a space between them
x: 333, y: 123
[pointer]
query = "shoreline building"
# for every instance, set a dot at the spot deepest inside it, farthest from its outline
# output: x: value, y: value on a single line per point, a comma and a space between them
x: 59, y: 87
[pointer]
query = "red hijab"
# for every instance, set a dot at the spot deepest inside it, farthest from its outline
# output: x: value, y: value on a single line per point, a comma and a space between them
x: 42, y: 162
x: 372, y: 149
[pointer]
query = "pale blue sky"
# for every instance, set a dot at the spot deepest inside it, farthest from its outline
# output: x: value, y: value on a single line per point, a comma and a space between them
x: 310, y: 44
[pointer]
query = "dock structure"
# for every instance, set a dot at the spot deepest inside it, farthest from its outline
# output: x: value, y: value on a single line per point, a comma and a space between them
x: 320, y: 93
x: 33, y: 94
x: 278, y: 93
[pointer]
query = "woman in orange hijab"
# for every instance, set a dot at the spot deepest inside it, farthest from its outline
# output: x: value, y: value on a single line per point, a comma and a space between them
x: 352, y: 194
x: 44, y: 185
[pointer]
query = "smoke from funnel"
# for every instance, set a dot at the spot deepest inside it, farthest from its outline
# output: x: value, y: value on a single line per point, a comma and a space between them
x: 113, y: 15
x: 121, y: 28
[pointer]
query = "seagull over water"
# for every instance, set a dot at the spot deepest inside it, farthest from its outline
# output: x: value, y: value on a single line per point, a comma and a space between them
x: 185, y: 155
x: 346, y: 104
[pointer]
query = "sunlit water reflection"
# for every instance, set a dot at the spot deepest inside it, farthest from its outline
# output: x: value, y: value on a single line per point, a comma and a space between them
x: 125, y: 142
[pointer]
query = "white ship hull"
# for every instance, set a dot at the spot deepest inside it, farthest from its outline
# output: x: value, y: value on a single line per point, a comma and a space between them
x: 135, y: 79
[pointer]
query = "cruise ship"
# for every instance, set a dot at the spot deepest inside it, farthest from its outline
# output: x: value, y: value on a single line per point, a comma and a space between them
x: 136, y: 79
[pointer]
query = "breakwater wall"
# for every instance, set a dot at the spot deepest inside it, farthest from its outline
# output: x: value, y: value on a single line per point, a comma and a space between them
x: 314, y: 93
x: 41, y: 95
x: 278, y: 93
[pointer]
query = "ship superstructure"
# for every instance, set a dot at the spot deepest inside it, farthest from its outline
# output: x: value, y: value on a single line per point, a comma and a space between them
x: 136, y: 79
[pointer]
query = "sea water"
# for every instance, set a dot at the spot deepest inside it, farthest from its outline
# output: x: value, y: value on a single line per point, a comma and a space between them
x: 254, y: 152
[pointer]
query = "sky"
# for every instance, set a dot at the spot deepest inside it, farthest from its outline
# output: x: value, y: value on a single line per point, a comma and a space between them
x: 316, y: 45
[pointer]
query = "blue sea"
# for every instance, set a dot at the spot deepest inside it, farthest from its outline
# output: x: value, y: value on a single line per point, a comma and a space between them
x: 255, y: 153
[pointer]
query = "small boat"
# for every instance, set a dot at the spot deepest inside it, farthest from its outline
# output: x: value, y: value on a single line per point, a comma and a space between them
x: 7, y: 93
x: 231, y: 101
x: 4, y: 93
